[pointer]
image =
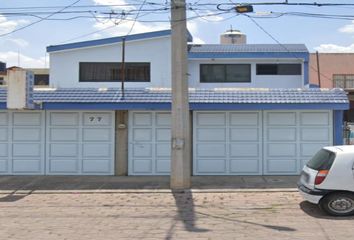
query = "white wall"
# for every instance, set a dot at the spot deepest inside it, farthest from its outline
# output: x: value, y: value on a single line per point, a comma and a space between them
x: 64, y: 65
x: 257, y: 81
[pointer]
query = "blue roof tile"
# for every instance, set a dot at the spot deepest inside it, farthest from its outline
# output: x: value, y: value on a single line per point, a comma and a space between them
x: 232, y: 96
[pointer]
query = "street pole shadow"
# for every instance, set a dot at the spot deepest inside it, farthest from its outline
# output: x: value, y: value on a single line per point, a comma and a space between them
x: 185, y: 213
x: 273, y: 227
x: 14, y: 197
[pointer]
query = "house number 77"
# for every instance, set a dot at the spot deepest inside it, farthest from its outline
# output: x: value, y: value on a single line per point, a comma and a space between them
x: 92, y: 119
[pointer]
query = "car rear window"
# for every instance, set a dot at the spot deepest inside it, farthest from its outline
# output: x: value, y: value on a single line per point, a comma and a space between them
x: 322, y: 160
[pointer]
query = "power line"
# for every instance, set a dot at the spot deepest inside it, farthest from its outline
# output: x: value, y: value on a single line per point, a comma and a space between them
x: 136, y: 18
x: 282, y: 45
x: 40, y: 20
x: 154, y: 8
x: 87, y: 34
x: 83, y: 6
x: 225, y: 6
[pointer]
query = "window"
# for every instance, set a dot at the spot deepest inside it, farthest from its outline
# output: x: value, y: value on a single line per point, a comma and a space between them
x: 111, y: 72
x: 343, y: 80
x: 224, y: 73
x: 2, y: 82
x: 41, y: 79
x: 322, y: 160
x: 279, y: 69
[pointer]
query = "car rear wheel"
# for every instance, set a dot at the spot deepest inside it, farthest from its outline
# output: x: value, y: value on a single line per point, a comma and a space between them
x: 338, y: 204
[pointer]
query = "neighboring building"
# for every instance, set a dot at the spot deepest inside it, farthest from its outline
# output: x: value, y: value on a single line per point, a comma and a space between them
x: 2, y: 73
x: 252, y: 111
x: 41, y: 76
x: 336, y: 71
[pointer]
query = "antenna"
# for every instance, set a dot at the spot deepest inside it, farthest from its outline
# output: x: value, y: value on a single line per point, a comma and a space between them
x: 18, y: 58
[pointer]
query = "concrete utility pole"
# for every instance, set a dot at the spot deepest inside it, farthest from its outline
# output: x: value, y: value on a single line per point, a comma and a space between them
x: 181, y: 156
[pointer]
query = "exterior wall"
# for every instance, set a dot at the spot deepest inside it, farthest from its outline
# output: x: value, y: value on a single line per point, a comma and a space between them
x: 64, y: 65
x: 330, y: 63
x: 257, y: 81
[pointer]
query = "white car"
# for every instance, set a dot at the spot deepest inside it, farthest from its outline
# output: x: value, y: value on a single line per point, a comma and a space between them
x: 328, y: 180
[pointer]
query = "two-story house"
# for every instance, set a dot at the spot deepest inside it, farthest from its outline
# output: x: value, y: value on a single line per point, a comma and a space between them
x: 252, y: 111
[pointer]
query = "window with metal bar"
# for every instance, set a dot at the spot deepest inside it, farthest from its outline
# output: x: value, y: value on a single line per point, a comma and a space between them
x: 111, y: 72
x: 344, y: 81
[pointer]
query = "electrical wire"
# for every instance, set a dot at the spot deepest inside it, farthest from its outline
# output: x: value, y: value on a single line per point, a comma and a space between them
x: 136, y: 18
x: 282, y: 45
x: 40, y: 20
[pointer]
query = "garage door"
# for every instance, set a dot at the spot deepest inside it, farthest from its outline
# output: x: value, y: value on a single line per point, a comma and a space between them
x: 80, y: 143
x: 21, y: 142
x: 259, y: 142
x: 291, y: 138
x: 149, y: 143
x: 227, y: 143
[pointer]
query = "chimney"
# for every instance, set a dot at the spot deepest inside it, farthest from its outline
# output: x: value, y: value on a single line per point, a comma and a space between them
x: 233, y: 36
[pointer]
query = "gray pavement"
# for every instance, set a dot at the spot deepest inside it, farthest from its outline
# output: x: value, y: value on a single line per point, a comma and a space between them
x: 143, y: 208
x: 113, y: 183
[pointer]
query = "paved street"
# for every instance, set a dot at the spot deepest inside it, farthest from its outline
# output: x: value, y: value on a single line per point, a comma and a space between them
x: 250, y: 213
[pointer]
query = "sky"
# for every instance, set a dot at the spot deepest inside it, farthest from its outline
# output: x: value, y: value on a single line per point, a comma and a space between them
x: 27, y: 27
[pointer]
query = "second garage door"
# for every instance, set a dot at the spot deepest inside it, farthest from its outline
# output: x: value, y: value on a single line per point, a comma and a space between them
x: 257, y: 142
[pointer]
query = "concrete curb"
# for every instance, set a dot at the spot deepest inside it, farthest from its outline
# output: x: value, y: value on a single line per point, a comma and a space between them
x: 148, y: 191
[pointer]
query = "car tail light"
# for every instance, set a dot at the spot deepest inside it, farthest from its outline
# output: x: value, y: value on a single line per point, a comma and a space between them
x: 321, y: 176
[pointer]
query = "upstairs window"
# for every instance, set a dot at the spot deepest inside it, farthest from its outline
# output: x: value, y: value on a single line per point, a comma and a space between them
x: 343, y: 80
x: 41, y: 79
x: 279, y: 69
x: 2, y: 82
x: 112, y: 72
x: 225, y: 73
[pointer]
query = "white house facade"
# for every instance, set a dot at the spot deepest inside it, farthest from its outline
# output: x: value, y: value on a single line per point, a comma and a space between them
x: 253, y: 111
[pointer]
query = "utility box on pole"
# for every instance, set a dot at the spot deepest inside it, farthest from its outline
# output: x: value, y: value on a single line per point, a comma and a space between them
x: 181, y: 135
x: 20, y: 88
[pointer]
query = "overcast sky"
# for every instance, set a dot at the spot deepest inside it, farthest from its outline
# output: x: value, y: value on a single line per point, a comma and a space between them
x: 27, y: 47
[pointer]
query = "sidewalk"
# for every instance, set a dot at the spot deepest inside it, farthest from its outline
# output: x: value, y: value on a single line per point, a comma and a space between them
x: 156, y: 183
x: 91, y: 208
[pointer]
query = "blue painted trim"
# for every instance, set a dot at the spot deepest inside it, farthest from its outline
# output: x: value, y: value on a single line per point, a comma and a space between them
x: 106, y: 106
x: 3, y: 105
x: 193, y: 106
x: 311, y: 85
x: 294, y: 55
x: 267, y: 106
x: 306, y: 73
x: 105, y: 41
x: 338, y: 127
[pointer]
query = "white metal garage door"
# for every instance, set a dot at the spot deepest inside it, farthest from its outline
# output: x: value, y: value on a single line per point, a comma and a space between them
x: 149, y: 143
x: 227, y: 143
x: 291, y: 138
x: 80, y: 143
x: 21, y: 142
x: 257, y: 142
